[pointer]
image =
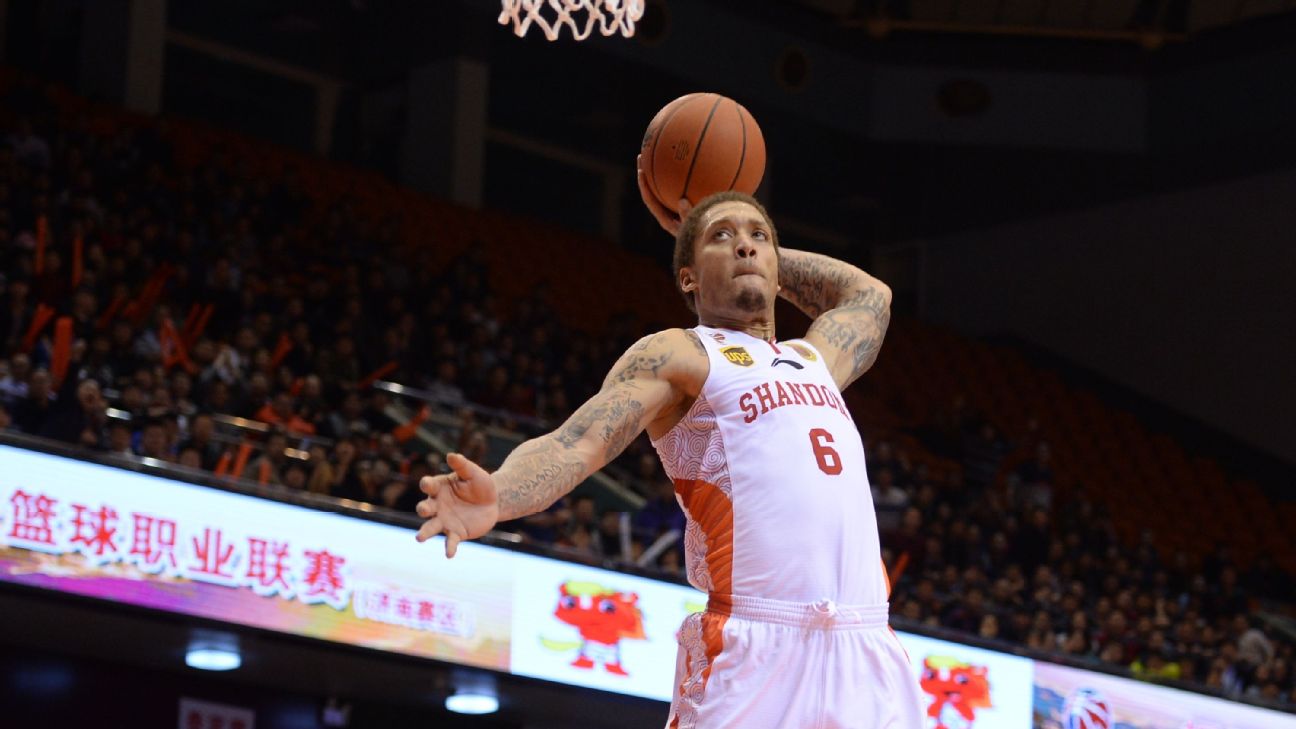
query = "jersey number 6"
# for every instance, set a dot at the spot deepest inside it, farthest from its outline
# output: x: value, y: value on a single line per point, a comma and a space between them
x: 829, y: 461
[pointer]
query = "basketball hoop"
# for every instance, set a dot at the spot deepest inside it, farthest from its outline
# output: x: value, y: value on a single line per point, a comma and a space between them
x: 579, y: 16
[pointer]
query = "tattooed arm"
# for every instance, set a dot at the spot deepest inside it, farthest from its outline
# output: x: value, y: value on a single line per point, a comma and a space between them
x: 649, y: 380
x: 850, y: 308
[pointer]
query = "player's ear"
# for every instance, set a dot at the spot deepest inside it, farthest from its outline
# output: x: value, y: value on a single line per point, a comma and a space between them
x: 687, y: 282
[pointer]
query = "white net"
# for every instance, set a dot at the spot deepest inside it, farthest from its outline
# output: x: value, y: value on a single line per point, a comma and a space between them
x: 580, y: 17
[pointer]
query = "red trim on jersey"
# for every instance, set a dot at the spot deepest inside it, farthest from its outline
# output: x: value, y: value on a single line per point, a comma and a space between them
x: 773, y: 346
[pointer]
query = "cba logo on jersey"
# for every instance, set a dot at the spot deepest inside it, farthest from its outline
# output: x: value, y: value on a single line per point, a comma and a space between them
x: 737, y: 355
x: 804, y: 351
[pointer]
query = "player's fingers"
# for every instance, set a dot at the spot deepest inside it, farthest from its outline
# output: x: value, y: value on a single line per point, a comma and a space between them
x: 452, y: 544
x: 427, y: 508
x: 464, y: 468
x: 649, y: 198
x: 431, y: 485
x: 430, y: 528
x: 684, y: 207
x: 666, y: 218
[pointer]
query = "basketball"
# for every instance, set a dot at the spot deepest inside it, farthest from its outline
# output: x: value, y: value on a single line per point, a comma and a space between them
x: 701, y: 144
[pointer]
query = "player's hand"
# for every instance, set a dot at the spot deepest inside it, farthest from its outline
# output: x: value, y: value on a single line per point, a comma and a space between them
x: 667, y: 218
x: 461, y: 505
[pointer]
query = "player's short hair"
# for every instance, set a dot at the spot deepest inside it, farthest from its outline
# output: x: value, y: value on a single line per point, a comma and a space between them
x: 691, y: 226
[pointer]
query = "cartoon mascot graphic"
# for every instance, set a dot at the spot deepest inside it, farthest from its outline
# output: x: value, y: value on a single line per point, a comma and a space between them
x: 957, y: 689
x: 603, y: 618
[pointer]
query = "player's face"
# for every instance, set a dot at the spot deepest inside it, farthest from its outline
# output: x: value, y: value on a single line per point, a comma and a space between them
x: 735, y: 263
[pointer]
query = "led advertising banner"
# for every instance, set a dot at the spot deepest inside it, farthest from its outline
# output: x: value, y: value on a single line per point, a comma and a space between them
x: 592, y: 627
x: 966, y: 686
x: 114, y: 534
x: 1070, y: 698
x: 109, y: 533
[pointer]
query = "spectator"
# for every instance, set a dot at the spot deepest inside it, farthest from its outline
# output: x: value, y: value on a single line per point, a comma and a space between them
x: 985, y: 453
x: 293, y: 475
x: 989, y: 627
x: 443, y: 387
x: 280, y: 411
x: 473, y: 446
x: 889, y: 500
x: 78, y: 415
x: 267, y: 467
x: 13, y: 385
x: 202, y: 431
x: 546, y: 526
x: 28, y: 147
x: 1254, y: 649
x: 1155, y: 665
x: 32, y: 411
x: 152, y: 441
x: 16, y: 316
x: 584, y: 516
x: 189, y: 458
x: 346, y: 471
x: 1033, y: 540
x: 609, y: 535
x: 1036, y: 478
x: 347, y: 421
x: 321, y: 475
x: 119, y: 438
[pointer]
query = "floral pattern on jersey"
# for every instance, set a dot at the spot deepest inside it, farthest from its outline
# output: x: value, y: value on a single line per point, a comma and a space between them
x: 694, y: 451
x: 691, y: 452
x: 695, y: 565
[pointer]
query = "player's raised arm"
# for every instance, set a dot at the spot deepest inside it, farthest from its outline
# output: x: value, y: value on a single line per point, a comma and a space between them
x: 647, y: 381
x: 850, y: 308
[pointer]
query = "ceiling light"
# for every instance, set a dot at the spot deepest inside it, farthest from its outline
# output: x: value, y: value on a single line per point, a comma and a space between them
x: 213, y: 651
x: 213, y: 659
x: 472, y: 702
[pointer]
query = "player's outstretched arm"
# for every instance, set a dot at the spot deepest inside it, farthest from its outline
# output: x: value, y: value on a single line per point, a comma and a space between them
x: 850, y: 308
x: 469, y: 502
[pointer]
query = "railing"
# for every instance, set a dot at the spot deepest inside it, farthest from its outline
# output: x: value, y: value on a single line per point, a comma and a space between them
x: 616, y: 495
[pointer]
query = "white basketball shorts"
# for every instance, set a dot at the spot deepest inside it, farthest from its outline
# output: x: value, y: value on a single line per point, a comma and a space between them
x: 753, y: 663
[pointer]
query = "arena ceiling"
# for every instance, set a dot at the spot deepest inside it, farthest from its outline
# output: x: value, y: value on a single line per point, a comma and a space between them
x: 307, y: 29
x: 1138, y: 20
x: 566, y: 95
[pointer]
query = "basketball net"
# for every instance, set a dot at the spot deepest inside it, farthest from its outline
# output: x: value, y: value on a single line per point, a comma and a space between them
x: 578, y: 16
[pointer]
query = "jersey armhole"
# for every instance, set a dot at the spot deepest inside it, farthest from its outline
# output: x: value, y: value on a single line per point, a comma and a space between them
x: 702, y: 390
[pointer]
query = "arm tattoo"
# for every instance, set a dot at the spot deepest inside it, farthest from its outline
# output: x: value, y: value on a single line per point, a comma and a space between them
x: 639, y: 361
x: 542, y: 470
x: 851, y: 309
x: 609, y: 414
x: 696, y: 341
x: 536, y: 474
x: 856, y: 331
x: 814, y: 283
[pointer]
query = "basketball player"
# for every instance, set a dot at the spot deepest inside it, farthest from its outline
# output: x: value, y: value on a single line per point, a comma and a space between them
x: 767, y: 465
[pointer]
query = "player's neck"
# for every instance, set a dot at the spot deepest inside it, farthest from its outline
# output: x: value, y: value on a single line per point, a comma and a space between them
x: 761, y: 328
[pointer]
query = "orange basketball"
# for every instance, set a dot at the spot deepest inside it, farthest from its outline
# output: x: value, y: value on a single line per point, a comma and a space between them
x: 700, y: 144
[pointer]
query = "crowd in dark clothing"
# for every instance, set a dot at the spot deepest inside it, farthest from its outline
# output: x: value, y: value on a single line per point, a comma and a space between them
x: 1008, y: 560
x: 203, y: 294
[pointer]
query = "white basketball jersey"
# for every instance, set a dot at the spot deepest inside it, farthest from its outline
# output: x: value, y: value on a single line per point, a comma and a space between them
x: 769, y: 469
